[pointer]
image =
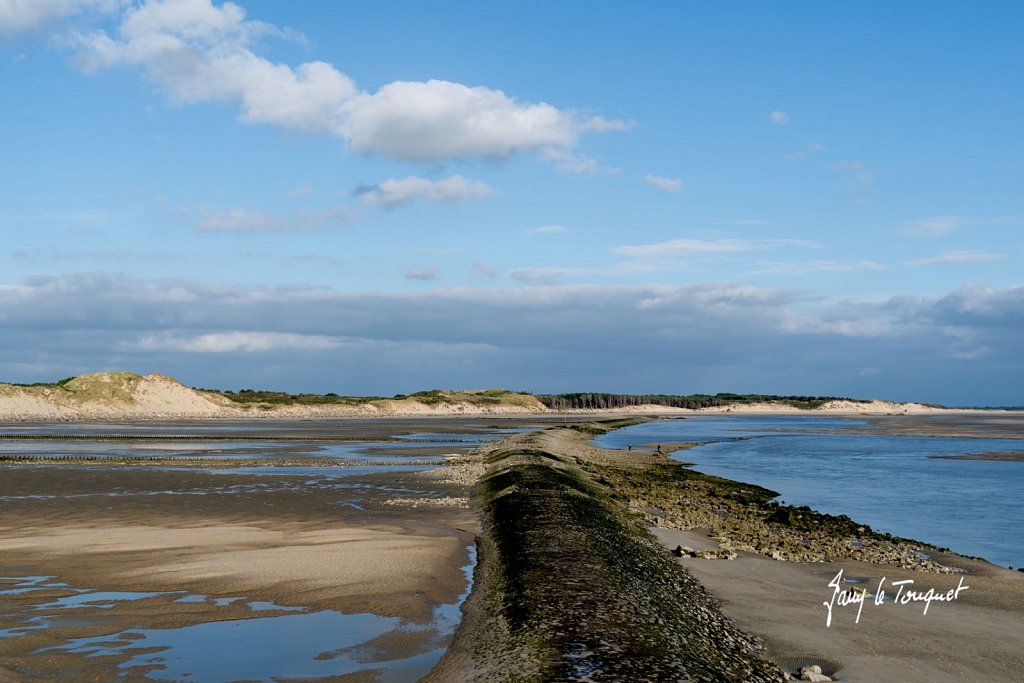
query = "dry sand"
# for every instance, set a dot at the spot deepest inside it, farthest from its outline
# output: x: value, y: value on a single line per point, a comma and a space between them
x: 392, y: 570
x: 978, y: 637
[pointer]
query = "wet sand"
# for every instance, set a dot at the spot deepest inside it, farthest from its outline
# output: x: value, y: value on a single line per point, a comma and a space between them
x: 1004, y: 456
x: 974, y: 424
x: 369, y: 542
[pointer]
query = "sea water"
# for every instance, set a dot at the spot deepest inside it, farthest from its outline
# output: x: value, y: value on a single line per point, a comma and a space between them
x: 892, y: 483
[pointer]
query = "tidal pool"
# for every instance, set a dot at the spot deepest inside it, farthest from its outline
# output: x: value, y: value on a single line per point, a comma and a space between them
x: 307, y: 644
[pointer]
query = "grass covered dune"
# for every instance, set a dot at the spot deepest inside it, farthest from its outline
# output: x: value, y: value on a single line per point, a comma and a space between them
x: 128, y: 396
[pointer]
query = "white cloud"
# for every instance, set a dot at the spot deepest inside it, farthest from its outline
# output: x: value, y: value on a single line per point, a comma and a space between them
x: 547, y: 229
x: 234, y: 342
x: 687, y: 247
x: 577, y: 164
x: 423, y: 273
x: 779, y: 118
x: 803, y: 267
x: 245, y: 220
x: 436, y: 120
x: 936, y: 225
x: 241, y: 220
x: 197, y: 52
x: 24, y: 16
x: 553, y: 275
x: 940, y: 225
x: 673, y: 185
x: 454, y: 189
x: 300, y: 192
x: 954, y: 257
x: 599, y: 124
x: 859, y: 175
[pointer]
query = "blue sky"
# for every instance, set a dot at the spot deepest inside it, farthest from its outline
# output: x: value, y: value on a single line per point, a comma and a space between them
x: 790, y: 197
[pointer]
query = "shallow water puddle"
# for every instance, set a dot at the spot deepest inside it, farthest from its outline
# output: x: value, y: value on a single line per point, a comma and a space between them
x: 296, y: 645
x: 97, y: 599
x: 301, y: 644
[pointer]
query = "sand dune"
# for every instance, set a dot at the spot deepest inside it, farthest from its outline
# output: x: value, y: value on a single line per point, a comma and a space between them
x: 128, y: 396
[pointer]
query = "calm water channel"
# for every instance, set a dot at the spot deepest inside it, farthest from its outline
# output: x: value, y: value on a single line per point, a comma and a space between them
x: 975, y: 507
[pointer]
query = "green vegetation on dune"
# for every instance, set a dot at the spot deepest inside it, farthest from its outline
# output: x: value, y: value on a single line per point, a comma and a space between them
x: 58, y: 383
x: 434, y: 397
x: 103, y: 387
x: 598, y: 400
x: 250, y: 396
x: 484, y: 397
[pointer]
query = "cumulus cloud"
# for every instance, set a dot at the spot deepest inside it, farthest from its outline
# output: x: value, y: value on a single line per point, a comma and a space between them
x: 437, y: 120
x: 197, y: 52
x: 423, y: 273
x: 779, y: 118
x: 454, y: 189
x: 954, y: 257
x: 673, y: 185
x: 24, y: 16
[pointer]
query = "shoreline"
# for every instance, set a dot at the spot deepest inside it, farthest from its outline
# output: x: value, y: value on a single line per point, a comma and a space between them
x: 780, y: 602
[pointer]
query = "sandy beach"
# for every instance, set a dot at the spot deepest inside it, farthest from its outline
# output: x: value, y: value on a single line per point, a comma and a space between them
x: 975, y: 638
x: 368, y: 543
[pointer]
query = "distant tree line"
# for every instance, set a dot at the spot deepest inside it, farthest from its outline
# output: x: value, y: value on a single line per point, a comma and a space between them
x: 58, y: 383
x: 582, y: 401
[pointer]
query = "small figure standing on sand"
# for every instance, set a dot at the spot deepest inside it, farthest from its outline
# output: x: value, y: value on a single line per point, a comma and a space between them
x: 659, y: 448
x: 629, y: 447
